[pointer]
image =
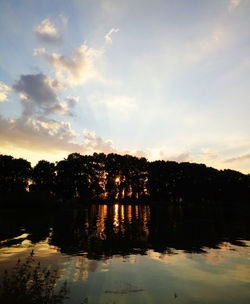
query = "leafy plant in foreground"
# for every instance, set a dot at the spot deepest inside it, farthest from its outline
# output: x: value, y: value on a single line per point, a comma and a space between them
x: 29, y: 283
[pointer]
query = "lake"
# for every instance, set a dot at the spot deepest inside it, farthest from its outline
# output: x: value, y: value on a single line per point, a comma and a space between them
x: 136, y: 253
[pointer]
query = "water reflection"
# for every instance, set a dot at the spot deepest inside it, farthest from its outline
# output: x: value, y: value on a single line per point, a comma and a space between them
x: 116, y: 218
x: 102, y: 212
x: 137, y: 253
x: 100, y: 231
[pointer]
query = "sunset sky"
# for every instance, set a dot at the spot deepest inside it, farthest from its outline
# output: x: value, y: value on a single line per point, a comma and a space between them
x: 161, y: 79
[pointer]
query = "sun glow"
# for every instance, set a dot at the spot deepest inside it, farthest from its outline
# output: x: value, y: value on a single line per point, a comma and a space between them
x: 116, y: 218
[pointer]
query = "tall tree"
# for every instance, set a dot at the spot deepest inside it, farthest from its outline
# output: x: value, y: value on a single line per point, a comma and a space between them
x: 44, y: 177
x: 14, y: 174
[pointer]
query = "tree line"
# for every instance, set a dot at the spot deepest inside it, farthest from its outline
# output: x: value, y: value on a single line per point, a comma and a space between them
x: 113, y: 176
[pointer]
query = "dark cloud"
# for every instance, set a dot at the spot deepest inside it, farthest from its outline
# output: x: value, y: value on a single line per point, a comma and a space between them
x: 39, y: 96
x: 35, y: 131
x: 48, y: 38
x: 71, y: 101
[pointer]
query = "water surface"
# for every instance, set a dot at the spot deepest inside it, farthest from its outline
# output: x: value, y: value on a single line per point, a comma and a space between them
x: 136, y: 253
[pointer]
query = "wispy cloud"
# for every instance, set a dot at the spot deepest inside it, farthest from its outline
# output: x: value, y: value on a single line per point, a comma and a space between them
x: 108, y: 35
x: 116, y: 104
x: 241, y: 157
x: 168, y: 154
x: 4, y: 90
x: 39, y: 51
x: 233, y: 4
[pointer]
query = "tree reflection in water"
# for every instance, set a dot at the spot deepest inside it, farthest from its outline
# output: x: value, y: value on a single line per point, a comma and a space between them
x: 100, y: 231
x: 100, y: 249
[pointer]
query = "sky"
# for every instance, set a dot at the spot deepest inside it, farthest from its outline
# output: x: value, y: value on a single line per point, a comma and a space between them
x: 157, y: 79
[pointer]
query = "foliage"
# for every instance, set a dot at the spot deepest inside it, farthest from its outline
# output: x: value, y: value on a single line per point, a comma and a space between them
x: 43, y: 177
x: 14, y: 174
x: 29, y: 283
x: 114, y: 176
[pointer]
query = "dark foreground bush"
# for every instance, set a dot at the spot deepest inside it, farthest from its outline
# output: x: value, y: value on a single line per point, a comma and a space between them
x: 29, y: 283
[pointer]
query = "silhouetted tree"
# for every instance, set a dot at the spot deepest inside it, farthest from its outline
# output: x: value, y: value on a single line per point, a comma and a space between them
x: 14, y: 174
x: 78, y: 177
x: 43, y: 177
x: 124, y: 176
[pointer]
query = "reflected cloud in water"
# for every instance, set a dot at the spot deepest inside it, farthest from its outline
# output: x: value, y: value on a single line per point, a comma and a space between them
x: 111, y: 246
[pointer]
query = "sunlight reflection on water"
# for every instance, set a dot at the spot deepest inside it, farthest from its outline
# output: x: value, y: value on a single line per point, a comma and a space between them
x: 135, y: 254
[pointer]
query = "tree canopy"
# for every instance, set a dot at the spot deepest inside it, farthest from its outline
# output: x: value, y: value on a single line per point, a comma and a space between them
x: 114, y: 177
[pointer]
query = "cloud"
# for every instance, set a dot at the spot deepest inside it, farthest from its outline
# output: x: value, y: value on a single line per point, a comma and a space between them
x: 179, y: 157
x: 47, y: 31
x: 121, y: 104
x: 167, y: 154
x: 49, y: 136
x: 71, y: 101
x: 208, y: 156
x: 233, y: 4
x: 183, y: 157
x: 39, y: 95
x: 39, y: 51
x: 108, y: 35
x: 242, y: 157
x: 78, y: 68
x: 74, y: 70
x: 95, y: 143
x: 35, y: 135
x: 4, y: 90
